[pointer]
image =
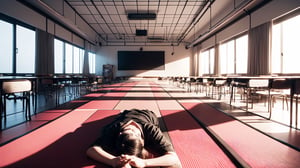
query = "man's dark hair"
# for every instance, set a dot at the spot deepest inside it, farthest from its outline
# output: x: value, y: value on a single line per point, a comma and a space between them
x: 130, y: 146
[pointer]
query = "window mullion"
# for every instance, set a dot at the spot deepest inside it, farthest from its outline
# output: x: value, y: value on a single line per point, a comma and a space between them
x: 281, y: 49
x: 14, y: 60
x: 234, y: 56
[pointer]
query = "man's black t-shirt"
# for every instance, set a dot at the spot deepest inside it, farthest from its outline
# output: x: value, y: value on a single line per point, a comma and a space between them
x: 154, y: 139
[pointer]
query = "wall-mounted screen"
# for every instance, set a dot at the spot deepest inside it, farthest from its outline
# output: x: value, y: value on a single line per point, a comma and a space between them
x: 141, y: 60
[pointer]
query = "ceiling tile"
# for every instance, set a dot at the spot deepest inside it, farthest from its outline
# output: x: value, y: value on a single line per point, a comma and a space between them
x: 102, y: 9
x: 109, y: 18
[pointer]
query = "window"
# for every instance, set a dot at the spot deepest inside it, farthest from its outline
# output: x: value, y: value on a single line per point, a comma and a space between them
x: 241, y: 54
x: 81, y: 60
x: 207, y: 61
x: 68, y: 58
x: 234, y: 56
x: 78, y: 55
x: 92, y: 60
x: 58, y: 56
x: 227, y: 58
x: 285, y: 48
x: 21, y: 59
x: 76, y: 59
x: 6, y: 47
x: 25, y: 51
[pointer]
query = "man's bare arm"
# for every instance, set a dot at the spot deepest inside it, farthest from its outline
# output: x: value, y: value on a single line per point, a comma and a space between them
x: 170, y: 159
x: 100, y: 155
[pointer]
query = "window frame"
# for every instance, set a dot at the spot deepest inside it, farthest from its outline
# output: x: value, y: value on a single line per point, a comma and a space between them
x: 211, y: 60
x: 93, y: 60
x: 81, y: 57
x: 234, y: 40
x: 281, y: 57
x: 16, y: 23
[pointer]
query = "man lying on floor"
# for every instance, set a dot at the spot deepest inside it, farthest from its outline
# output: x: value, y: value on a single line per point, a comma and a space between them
x: 134, y: 139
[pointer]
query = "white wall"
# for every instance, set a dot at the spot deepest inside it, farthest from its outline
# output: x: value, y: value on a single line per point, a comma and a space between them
x: 273, y: 10
x: 24, y: 14
x: 20, y: 12
x: 175, y: 65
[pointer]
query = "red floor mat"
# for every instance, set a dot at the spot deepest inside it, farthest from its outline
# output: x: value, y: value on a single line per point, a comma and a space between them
x: 114, y: 95
x: 193, y: 145
x: 255, y: 148
x: 60, y: 144
x: 100, y: 104
x: 36, y: 121
x: 94, y: 95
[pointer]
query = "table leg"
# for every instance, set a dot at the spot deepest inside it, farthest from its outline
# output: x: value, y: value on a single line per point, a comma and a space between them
x: 1, y: 110
x: 291, y: 108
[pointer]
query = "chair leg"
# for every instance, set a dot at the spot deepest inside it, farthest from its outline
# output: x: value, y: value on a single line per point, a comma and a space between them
x: 296, y: 117
x: 1, y: 111
x: 4, y: 109
x: 27, y: 110
x: 270, y: 104
x: 231, y: 94
x: 247, y: 99
x: 287, y: 103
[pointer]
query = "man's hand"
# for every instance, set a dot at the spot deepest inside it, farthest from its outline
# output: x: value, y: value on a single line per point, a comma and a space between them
x: 121, y: 162
x: 135, y: 161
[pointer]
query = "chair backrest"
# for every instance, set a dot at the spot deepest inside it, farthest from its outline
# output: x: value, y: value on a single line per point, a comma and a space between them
x: 192, y: 79
x: 297, y: 86
x: 16, y: 86
x: 259, y: 83
x: 281, y: 84
x: 220, y: 81
x: 47, y: 81
x: 199, y: 80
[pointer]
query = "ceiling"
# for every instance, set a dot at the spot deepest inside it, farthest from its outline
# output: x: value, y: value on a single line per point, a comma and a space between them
x: 186, y: 22
x: 109, y: 19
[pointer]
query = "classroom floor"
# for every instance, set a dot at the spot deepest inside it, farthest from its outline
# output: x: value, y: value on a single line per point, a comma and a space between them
x: 206, y: 116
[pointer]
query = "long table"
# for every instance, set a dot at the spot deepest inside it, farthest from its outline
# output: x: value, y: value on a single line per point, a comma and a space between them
x: 243, y: 81
x: 293, y: 85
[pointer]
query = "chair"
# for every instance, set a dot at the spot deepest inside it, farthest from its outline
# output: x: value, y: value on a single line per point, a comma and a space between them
x: 255, y: 85
x: 237, y: 85
x: 279, y: 88
x: 206, y: 84
x: 198, y: 84
x: 93, y: 83
x: 46, y: 86
x: 217, y: 86
x: 190, y: 82
x: 17, y: 89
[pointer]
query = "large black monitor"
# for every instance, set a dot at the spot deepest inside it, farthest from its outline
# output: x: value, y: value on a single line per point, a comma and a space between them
x: 141, y: 60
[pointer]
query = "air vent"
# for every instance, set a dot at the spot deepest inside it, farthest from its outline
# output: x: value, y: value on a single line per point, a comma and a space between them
x: 140, y: 32
x: 156, y: 38
x: 141, y: 16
